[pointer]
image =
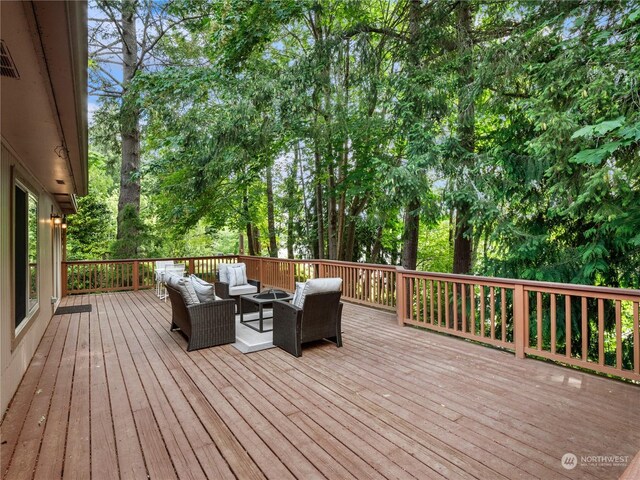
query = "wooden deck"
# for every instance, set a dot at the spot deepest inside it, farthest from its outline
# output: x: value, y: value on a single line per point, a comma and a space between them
x: 113, y: 394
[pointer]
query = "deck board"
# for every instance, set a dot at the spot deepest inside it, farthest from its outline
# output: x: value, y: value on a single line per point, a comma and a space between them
x: 121, y: 398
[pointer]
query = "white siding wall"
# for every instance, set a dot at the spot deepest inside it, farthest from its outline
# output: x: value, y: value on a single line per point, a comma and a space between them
x: 13, y: 363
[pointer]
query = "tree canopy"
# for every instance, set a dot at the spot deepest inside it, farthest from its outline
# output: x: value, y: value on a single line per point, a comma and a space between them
x: 497, y: 138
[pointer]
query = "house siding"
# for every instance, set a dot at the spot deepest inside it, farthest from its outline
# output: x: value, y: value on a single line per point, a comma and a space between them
x: 16, y: 356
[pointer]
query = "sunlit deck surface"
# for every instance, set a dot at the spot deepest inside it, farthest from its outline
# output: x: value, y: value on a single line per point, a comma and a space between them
x: 113, y: 393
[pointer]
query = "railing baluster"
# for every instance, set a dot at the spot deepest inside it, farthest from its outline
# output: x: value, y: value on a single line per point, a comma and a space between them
x: 636, y: 338
x: 618, y: 335
x: 527, y: 320
x: 411, y: 296
x: 539, y: 320
x: 503, y: 313
x: 472, y: 307
x: 492, y: 309
x: 520, y: 323
x: 431, y: 302
x: 482, y: 311
x: 439, y: 304
x: 600, y: 331
x: 567, y: 325
x: 447, y: 304
x: 424, y: 300
x: 455, y: 306
x: 585, y: 323
x: 464, y: 306
x: 553, y: 323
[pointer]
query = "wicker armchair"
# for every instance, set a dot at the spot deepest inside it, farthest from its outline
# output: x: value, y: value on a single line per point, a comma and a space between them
x: 320, y: 318
x: 204, y: 324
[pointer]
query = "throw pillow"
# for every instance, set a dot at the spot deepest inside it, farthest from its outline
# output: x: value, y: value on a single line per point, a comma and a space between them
x: 297, y: 296
x: 237, y: 275
x: 204, y: 291
x: 223, y: 271
x: 185, y: 288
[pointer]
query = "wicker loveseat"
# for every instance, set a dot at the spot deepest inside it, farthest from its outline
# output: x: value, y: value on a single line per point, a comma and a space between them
x: 204, y: 324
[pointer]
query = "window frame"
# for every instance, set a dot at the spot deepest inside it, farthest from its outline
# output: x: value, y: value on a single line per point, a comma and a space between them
x: 18, y: 332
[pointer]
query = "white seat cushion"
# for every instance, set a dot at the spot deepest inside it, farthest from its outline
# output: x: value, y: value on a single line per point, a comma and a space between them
x: 243, y: 290
x: 319, y: 285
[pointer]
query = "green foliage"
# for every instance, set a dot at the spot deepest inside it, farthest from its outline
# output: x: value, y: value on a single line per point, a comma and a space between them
x: 435, y: 248
x: 134, y: 240
x: 358, y: 106
x: 91, y: 231
x: 88, y: 231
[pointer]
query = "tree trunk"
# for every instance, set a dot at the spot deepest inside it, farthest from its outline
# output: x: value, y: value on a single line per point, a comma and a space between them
x: 332, y: 220
x: 290, y: 235
x: 463, y: 245
x: 292, y: 204
x: 461, y: 251
x: 307, y: 209
x: 248, y: 224
x: 342, y: 245
x: 410, y: 235
x: 376, y: 249
x: 412, y: 209
x: 273, y: 246
x: 129, y: 198
x: 319, y: 203
x: 349, y: 254
x: 257, y: 248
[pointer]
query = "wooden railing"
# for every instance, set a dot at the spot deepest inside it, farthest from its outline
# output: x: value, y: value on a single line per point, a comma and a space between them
x: 368, y: 284
x: 92, y: 276
x: 589, y: 327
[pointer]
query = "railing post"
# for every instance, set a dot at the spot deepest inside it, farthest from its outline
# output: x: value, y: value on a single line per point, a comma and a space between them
x: 400, y: 296
x: 519, y: 320
x: 292, y: 275
x: 136, y: 279
x: 64, y: 280
x: 260, y: 271
x: 192, y: 266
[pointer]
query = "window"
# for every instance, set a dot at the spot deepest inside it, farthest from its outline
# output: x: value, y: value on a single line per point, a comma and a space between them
x: 25, y: 242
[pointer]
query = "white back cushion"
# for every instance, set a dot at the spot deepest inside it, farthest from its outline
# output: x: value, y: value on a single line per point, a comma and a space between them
x: 237, y: 275
x: 223, y: 270
x: 317, y: 285
x: 175, y: 269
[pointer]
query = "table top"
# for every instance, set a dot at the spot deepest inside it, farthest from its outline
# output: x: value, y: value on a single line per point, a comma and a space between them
x: 252, y: 297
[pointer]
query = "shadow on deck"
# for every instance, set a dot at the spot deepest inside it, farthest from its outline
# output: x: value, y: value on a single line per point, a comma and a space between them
x: 113, y: 394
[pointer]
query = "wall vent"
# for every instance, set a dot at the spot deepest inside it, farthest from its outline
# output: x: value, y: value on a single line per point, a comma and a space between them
x: 7, y: 66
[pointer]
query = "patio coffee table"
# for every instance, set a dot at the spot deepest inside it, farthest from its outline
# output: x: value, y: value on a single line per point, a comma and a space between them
x: 262, y: 300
